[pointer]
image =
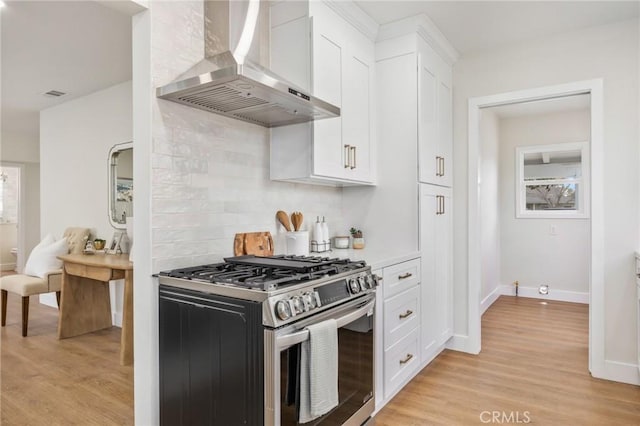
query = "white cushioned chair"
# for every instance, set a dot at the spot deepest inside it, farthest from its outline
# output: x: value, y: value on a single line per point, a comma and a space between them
x: 51, y: 281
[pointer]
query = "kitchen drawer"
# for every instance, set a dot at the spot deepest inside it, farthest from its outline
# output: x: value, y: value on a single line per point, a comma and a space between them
x: 400, y: 362
x: 400, y: 277
x: 401, y: 315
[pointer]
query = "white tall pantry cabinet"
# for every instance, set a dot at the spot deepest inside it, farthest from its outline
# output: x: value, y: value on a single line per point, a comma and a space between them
x: 416, y: 64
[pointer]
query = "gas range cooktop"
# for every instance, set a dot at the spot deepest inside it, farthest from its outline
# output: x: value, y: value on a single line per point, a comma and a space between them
x: 291, y: 288
x: 267, y: 273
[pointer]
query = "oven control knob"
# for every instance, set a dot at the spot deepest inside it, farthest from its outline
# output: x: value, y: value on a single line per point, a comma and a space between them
x: 354, y: 286
x: 283, y: 311
x: 368, y: 280
x: 298, y: 305
x: 361, y: 283
x: 310, y: 301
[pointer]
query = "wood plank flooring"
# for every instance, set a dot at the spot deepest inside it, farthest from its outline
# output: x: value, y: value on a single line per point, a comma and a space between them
x: 76, y: 381
x: 533, y: 367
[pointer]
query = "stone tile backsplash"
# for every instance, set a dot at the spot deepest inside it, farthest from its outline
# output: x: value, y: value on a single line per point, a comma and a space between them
x: 210, y: 174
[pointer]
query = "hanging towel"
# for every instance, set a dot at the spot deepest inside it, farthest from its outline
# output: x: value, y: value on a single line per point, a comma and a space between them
x: 319, y: 371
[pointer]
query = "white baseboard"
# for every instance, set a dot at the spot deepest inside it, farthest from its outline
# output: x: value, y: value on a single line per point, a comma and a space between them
x: 558, y: 295
x: 621, y: 372
x: 492, y: 297
x: 460, y: 343
x: 7, y: 266
x: 49, y: 299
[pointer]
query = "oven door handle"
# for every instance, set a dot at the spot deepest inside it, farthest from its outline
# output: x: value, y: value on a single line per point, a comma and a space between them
x: 302, y: 335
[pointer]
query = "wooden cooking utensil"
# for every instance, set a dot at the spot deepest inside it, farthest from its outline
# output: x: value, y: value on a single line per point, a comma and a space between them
x: 283, y: 218
x: 296, y: 219
x: 255, y: 243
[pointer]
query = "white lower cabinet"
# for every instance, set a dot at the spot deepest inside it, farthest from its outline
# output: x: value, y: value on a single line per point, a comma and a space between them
x: 398, y: 331
x: 401, y: 362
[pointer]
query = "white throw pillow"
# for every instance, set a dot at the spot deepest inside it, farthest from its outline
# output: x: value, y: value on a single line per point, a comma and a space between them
x: 44, y: 257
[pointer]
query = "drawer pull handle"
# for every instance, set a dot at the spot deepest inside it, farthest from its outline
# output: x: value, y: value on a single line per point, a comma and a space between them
x: 406, y: 314
x: 407, y: 359
x: 405, y: 276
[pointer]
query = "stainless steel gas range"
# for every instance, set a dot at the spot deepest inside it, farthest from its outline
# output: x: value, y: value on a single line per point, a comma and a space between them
x: 230, y: 336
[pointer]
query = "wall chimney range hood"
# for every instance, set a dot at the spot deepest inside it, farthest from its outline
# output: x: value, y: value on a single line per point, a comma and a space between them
x: 231, y: 82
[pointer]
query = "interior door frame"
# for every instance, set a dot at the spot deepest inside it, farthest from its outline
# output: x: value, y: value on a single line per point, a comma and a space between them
x: 21, y: 240
x: 596, y: 262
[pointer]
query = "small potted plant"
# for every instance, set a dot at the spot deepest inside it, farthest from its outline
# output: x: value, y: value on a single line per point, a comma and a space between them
x: 358, y: 239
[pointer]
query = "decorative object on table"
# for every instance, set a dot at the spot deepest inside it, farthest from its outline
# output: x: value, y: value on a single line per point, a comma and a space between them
x: 341, y: 242
x: 89, y: 248
x: 114, y: 245
x: 358, y: 239
x: 99, y: 243
x: 321, y: 242
x: 255, y: 243
x: 283, y: 218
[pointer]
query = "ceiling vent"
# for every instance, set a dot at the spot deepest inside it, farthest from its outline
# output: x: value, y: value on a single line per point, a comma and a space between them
x: 54, y: 93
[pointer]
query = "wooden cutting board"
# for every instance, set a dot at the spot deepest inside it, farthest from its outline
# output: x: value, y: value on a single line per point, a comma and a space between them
x: 255, y: 243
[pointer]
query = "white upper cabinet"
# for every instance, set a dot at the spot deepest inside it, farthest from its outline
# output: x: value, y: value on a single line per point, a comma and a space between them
x: 315, y: 48
x: 435, y: 117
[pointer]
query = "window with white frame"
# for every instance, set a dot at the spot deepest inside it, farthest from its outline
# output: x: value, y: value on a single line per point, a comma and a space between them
x: 553, y: 181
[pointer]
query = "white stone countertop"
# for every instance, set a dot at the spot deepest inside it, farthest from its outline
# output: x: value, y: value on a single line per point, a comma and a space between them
x: 377, y: 258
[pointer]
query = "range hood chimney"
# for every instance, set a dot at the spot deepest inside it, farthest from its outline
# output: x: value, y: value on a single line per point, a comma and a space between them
x: 230, y: 80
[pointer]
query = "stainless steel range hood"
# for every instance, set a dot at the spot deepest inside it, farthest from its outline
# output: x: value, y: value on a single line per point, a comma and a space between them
x: 229, y: 83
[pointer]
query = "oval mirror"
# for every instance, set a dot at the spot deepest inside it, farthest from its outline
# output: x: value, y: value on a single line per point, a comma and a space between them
x: 120, y: 184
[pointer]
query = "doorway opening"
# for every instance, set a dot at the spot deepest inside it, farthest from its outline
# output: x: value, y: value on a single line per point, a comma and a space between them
x: 11, y: 238
x: 593, y: 232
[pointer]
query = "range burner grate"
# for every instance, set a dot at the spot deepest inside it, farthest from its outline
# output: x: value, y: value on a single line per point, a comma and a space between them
x: 266, y: 273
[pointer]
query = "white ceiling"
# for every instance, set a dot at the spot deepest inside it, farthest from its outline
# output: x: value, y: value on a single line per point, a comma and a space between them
x: 80, y: 47
x: 77, y: 47
x: 477, y: 25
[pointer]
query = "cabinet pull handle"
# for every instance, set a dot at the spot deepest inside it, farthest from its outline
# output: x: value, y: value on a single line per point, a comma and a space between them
x: 442, y: 198
x: 353, y: 149
x: 406, y: 314
x: 407, y: 359
x: 437, y: 166
x: 347, y: 156
x: 438, y: 205
x: 405, y: 276
x: 442, y: 168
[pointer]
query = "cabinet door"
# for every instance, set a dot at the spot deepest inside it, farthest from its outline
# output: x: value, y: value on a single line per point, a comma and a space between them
x: 445, y: 131
x: 437, y: 289
x: 427, y: 120
x: 329, y: 154
x: 428, y: 248
x: 443, y: 268
x: 356, y: 112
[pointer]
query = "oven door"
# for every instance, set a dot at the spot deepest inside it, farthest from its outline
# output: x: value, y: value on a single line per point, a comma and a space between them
x: 355, y: 321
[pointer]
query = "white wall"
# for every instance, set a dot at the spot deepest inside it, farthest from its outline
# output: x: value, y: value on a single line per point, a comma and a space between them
x: 530, y: 254
x: 489, y: 204
x: 75, y: 139
x: 609, y: 52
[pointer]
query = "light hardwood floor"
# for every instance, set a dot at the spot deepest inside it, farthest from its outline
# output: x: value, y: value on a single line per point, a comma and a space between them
x: 46, y: 381
x: 534, y: 360
x: 533, y: 366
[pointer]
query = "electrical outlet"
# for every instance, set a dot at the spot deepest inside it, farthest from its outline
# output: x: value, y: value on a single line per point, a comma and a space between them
x: 553, y: 230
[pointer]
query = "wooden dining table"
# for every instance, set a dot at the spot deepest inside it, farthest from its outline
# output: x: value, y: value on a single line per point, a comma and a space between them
x: 85, y: 304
